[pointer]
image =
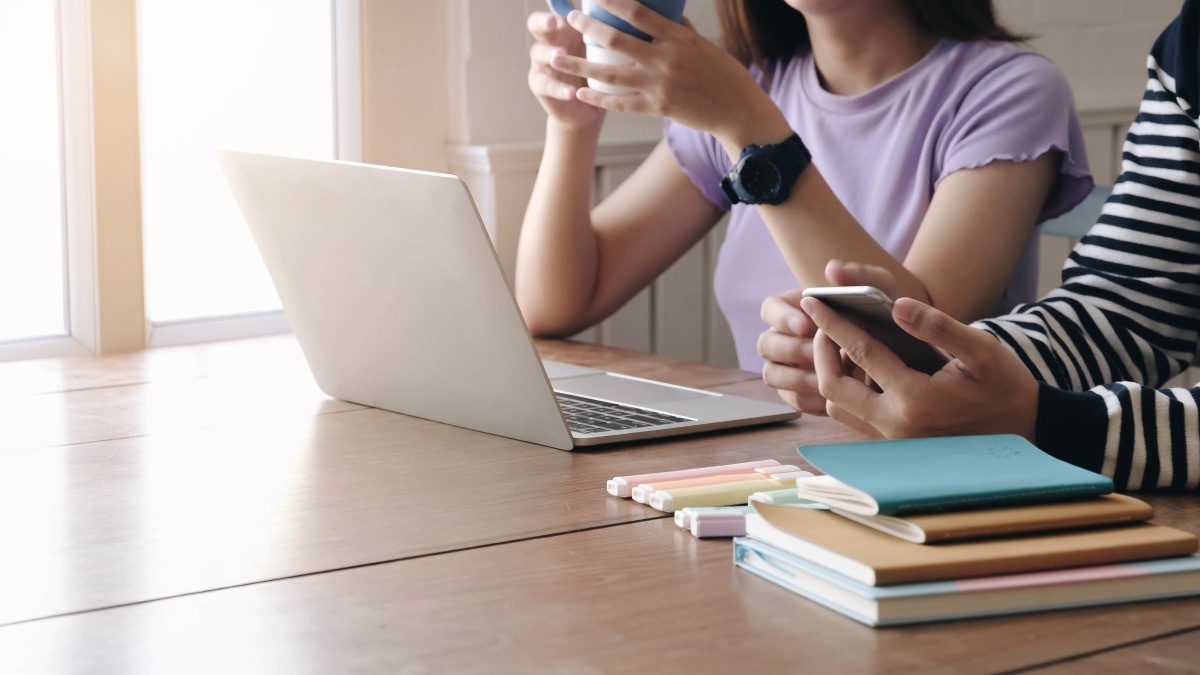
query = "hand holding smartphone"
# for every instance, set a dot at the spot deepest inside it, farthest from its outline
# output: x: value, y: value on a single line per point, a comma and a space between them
x: 871, y: 309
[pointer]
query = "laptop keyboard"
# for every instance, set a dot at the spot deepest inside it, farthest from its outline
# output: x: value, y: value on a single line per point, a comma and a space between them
x: 593, y: 416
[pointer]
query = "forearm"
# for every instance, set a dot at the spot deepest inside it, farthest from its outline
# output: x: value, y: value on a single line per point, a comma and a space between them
x: 813, y: 227
x: 1141, y: 437
x: 558, y: 254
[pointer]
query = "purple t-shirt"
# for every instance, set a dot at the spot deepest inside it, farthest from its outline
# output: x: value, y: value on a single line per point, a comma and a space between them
x: 883, y: 152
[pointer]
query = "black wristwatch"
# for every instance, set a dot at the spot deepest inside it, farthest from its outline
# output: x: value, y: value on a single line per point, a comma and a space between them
x: 764, y: 174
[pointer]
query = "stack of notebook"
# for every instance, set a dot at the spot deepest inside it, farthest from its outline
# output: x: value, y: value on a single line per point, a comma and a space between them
x: 932, y: 529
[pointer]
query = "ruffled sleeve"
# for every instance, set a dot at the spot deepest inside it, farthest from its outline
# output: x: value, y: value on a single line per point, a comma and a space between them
x: 701, y: 158
x: 1019, y: 111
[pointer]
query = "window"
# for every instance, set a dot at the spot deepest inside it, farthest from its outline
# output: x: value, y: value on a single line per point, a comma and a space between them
x: 250, y: 75
x: 32, y: 271
x: 277, y: 76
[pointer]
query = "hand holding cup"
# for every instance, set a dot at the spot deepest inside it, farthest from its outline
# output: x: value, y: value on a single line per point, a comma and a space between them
x: 597, y: 53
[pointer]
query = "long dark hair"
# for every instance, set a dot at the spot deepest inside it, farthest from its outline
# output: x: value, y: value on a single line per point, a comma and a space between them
x: 762, y: 31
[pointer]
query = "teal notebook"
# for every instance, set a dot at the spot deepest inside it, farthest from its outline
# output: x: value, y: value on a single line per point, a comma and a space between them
x: 953, y: 473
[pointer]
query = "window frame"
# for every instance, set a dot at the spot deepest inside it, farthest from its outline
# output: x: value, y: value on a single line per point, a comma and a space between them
x: 101, y: 195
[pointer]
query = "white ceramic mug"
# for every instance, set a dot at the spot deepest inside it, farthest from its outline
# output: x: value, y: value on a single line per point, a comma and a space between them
x: 596, y: 53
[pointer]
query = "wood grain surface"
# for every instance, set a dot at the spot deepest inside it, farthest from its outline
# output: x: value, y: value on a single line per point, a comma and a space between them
x: 207, y: 508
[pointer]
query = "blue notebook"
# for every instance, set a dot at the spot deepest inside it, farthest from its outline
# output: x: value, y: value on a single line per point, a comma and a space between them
x: 953, y: 473
x: 983, y: 596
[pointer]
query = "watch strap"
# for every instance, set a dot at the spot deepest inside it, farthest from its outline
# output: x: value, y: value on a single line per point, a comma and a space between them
x: 789, y: 157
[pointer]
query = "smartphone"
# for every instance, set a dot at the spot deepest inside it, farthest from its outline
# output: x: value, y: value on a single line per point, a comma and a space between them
x: 871, y: 309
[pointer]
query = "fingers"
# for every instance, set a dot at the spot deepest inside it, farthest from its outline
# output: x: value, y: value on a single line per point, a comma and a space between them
x: 814, y: 405
x: 606, y: 36
x: 782, y: 312
x: 616, y: 75
x: 796, y: 386
x: 785, y: 349
x: 809, y: 404
x: 840, y: 273
x: 788, y: 361
x: 789, y: 369
x: 543, y: 54
x: 788, y: 356
x: 639, y: 16
x: 633, y: 102
x: 543, y: 79
x: 779, y: 375
x: 565, y: 66
x: 552, y: 29
x: 553, y: 38
x: 879, y: 362
x: 540, y: 24
x: 844, y: 393
x: 834, y: 411
x: 970, y: 345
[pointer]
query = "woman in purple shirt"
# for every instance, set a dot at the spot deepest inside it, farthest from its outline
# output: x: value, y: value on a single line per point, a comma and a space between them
x: 936, y: 146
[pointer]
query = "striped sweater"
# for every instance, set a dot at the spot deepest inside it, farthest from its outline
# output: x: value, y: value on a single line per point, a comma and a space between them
x: 1126, y: 317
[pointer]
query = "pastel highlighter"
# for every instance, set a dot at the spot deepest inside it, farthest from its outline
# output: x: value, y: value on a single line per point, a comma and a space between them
x: 641, y: 493
x: 721, y: 494
x: 622, y: 486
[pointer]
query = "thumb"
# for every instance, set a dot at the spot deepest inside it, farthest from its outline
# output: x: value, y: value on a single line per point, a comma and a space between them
x: 940, y: 330
x: 841, y: 273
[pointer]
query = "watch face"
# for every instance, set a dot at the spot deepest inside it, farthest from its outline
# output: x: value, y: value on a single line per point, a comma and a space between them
x: 759, y: 177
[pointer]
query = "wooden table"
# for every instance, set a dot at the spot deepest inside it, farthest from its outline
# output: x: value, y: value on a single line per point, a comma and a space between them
x: 207, y: 508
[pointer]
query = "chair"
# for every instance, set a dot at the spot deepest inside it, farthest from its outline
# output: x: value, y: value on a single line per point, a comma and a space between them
x: 1074, y: 223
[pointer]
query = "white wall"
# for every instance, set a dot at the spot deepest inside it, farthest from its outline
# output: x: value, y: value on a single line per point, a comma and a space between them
x: 405, y: 70
x: 1101, y: 45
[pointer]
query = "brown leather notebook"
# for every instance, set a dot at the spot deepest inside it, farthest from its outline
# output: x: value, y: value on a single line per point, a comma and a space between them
x: 974, y: 524
x: 872, y: 557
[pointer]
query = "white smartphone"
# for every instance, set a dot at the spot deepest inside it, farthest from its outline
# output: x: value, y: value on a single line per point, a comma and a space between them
x: 871, y: 309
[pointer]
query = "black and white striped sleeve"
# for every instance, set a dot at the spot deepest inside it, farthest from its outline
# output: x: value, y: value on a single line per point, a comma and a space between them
x: 1127, y: 315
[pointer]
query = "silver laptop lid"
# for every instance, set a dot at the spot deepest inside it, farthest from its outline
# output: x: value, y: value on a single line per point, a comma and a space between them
x: 343, y: 242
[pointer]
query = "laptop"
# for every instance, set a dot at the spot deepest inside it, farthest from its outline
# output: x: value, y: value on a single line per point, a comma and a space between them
x: 398, y: 301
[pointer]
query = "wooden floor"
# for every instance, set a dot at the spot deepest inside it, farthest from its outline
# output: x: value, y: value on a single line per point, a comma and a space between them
x: 208, y: 509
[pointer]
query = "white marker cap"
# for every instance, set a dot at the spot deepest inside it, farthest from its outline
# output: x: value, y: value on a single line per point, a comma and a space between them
x: 790, y: 475
x: 617, y: 487
x: 662, y: 501
x: 777, y: 469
